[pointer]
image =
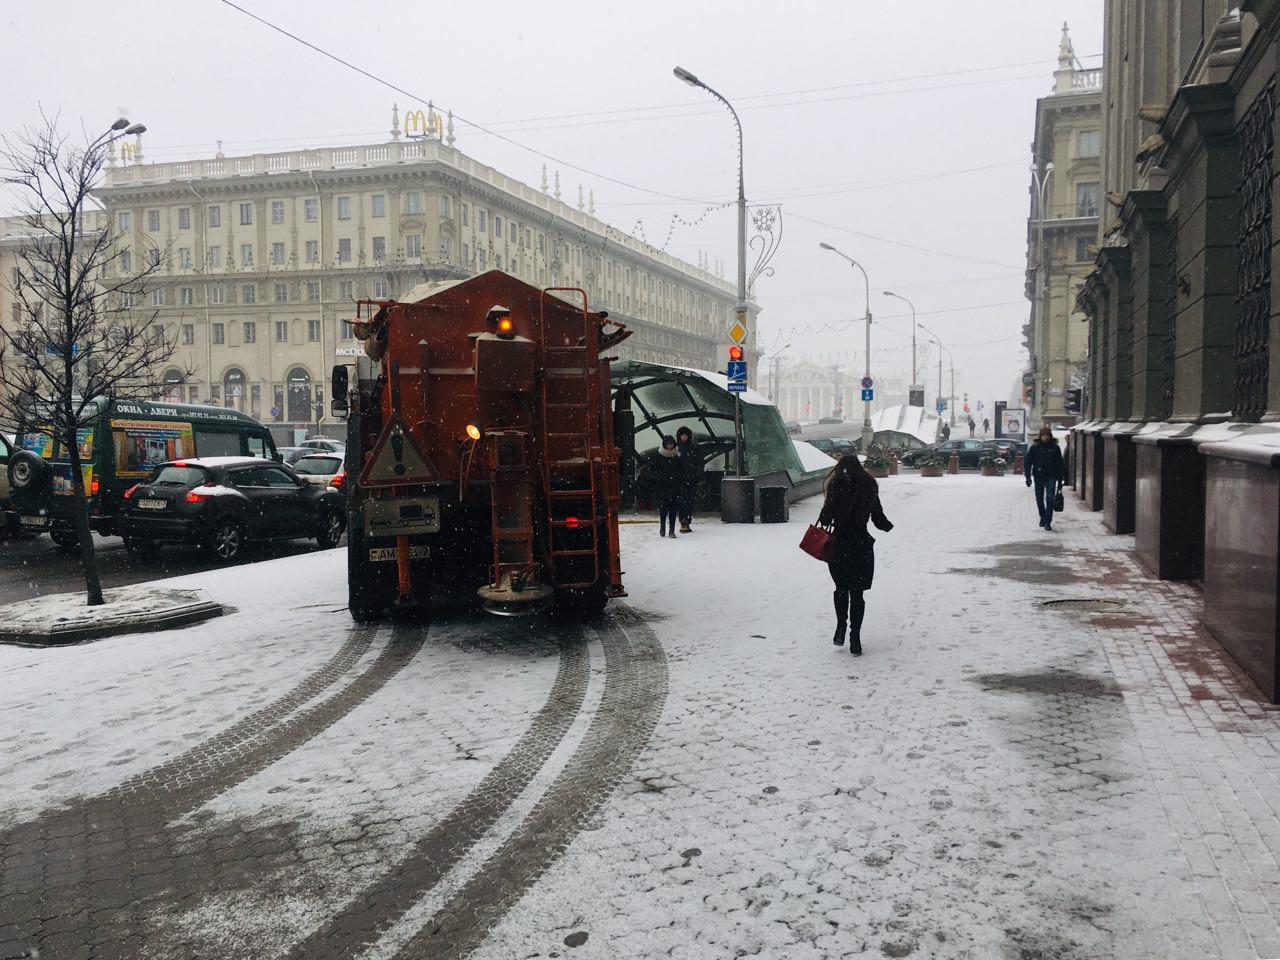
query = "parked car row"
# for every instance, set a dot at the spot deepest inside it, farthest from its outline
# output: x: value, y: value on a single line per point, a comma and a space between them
x: 221, y: 503
x: 833, y: 446
x: 969, y: 452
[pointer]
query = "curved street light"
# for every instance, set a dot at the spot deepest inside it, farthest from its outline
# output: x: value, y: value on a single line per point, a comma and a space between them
x: 867, y: 432
x: 898, y: 296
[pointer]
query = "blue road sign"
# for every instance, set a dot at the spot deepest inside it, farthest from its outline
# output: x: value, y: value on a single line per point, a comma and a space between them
x: 941, y: 405
x: 737, y: 370
x: 868, y: 395
x: 737, y: 386
x: 867, y: 383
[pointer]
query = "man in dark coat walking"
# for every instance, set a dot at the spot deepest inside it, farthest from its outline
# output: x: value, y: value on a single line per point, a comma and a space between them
x: 690, y: 461
x: 1043, y: 466
x: 665, y: 469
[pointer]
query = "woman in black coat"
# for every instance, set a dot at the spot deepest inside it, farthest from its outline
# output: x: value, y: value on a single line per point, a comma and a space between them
x: 690, y: 474
x: 852, y: 499
x: 667, y: 484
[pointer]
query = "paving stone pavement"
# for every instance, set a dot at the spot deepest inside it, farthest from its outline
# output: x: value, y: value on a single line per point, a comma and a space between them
x: 1013, y: 770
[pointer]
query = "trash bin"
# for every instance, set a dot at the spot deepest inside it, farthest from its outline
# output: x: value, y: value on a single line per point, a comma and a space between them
x: 774, y: 507
x: 738, y: 500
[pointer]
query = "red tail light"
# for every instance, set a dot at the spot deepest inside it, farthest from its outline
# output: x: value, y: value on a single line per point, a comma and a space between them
x: 194, y: 497
x: 336, y: 480
x: 128, y: 494
x: 94, y: 486
x: 573, y: 523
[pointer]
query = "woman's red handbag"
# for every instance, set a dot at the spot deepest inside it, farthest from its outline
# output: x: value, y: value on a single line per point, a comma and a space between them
x: 819, y: 543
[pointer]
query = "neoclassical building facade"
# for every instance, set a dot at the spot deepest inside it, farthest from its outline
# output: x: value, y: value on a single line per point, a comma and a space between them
x: 262, y: 257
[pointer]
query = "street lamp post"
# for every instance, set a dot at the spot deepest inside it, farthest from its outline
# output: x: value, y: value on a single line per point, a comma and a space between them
x: 1040, y: 189
x: 773, y: 362
x: 898, y: 296
x: 941, y: 348
x: 741, y: 309
x: 867, y: 432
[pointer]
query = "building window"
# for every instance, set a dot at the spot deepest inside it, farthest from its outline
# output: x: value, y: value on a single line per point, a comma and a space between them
x: 255, y: 399
x: 186, y: 296
x: 379, y: 248
x: 233, y: 384
x: 249, y: 293
x: 184, y: 218
x: 246, y: 214
x: 250, y: 332
x: 126, y: 301
x: 188, y: 334
x: 217, y: 294
x: 446, y: 207
x: 379, y: 289
x: 413, y: 245
x: 277, y: 253
x: 1087, y: 199
x: 1082, y: 249
x: 466, y: 215
x: 313, y: 290
x: 277, y: 211
x: 345, y: 331
x: 215, y: 256
x: 481, y: 216
x: 246, y: 254
x: 126, y: 261
x: 513, y: 232
x: 497, y: 227
x: 466, y: 256
x: 310, y: 210
x: 215, y: 216
x: 184, y: 258
x: 1089, y: 143
x: 282, y: 293
x: 482, y: 258
x: 157, y: 297
x: 313, y: 251
x: 153, y: 221
x: 344, y: 290
x: 344, y: 251
x: 215, y: 395
x: 219, y: 333
x: 378, y: 205
x: 124, y: 220
x: 445, y: 249
x: 344, y: 208
x: 277, y: 401
x: 299, y: 384
x: 154, y: 256
x: 282, y: 331
x: 313, y: 331
x: 193, y: 393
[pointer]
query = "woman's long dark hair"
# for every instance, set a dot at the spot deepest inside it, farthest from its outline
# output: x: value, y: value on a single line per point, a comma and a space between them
x: 850, y: 490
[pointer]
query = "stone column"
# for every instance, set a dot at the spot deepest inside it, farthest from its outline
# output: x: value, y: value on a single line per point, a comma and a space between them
x: 1146, y: 225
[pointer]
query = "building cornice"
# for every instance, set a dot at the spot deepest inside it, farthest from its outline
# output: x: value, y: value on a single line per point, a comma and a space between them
x: 1143, y: 209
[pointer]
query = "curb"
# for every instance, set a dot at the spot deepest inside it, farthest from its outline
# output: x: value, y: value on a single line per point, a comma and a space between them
x: 182, y: 614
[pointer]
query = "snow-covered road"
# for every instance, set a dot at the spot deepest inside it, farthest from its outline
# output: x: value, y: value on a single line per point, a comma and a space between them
x: 699, y: 774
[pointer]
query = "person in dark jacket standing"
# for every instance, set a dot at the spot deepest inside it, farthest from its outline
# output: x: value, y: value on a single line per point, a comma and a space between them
x: 690, y: 476
x: 852, y: 499
x: 1043, y: 465
x: 666, y: 486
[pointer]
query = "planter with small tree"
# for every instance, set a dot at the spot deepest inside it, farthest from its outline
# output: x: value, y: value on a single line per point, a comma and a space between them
x: 931, y: 465
x: 992, y: 464
x: 877, y: 462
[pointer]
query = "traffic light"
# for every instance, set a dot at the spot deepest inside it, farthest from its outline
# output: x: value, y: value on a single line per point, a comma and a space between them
x: 735, y: 352
x: 1028, y: 394
x: 1073, y: 399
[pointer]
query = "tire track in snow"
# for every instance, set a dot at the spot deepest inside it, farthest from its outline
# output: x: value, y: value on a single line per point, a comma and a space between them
x: 634, y: 694
x: 375, y: 909
x: 113, y: 854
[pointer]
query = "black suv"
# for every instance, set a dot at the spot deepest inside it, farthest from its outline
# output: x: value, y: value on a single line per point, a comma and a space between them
x: 969, y: 452
x: 220, y: 503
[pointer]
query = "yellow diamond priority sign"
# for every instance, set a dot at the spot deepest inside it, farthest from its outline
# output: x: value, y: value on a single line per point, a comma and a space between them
x: 738, y: 333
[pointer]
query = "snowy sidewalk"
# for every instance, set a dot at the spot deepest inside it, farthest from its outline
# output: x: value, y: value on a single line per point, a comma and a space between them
x: 701, y: 774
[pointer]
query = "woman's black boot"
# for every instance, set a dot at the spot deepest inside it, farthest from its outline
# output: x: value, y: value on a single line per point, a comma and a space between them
x: 842, y: 616
x: 857, y: 607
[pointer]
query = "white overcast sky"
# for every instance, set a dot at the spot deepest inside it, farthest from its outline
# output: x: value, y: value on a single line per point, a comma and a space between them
x: 941, y: 168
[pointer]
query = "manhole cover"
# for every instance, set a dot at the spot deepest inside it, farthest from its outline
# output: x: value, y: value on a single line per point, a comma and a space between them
x: 1088, y: 605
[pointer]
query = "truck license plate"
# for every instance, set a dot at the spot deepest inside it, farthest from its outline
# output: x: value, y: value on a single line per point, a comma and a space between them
x: 393, y: 553
x: 151, y: 504
x: 34, y: 521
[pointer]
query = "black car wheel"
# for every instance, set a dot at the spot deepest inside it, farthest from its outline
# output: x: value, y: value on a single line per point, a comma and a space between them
x: 226, y: 540
x: 65, y: 539
x: 332, y: 524
x: 27, y: 472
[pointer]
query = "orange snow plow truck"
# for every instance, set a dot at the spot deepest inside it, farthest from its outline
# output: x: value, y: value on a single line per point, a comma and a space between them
x: 480, y: 451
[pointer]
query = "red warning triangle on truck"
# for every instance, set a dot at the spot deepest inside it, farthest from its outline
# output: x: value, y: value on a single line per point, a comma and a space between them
x: 396, y: 459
